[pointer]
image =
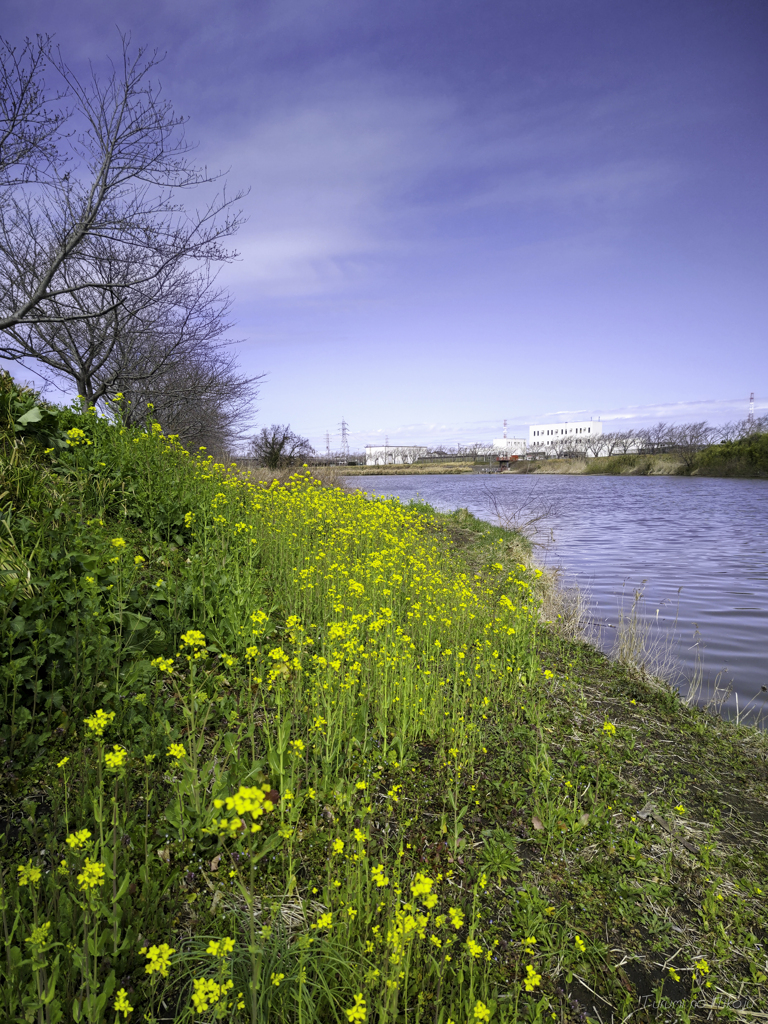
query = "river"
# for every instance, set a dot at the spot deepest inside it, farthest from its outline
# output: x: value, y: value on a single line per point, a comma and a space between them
x: 696, y: 547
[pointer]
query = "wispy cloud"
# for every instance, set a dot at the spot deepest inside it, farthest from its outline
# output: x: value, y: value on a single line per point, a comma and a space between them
x: 360, y: 168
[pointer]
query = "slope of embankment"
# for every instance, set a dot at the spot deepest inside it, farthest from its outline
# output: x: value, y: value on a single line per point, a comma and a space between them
x: 279, y: 752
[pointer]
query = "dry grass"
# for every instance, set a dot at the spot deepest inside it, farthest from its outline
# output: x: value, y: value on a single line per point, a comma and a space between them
x: 329, y: 476
x: 565, y: 606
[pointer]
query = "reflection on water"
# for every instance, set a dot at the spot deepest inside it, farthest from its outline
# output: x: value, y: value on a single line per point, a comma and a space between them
x: 698, y: 547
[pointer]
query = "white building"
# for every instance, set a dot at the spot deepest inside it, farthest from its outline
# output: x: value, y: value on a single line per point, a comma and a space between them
x: 546, y: 435
x: 508, y: 446
x: 393, y: 454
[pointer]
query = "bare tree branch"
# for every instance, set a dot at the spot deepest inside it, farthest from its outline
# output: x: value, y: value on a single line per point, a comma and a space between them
x: 111, y: 181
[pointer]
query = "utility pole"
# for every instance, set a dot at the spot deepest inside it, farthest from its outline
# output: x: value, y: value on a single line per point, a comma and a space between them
x: 344, y: 426
x: 505, y: 430
x: 751, y: 417
x: 328, y: 444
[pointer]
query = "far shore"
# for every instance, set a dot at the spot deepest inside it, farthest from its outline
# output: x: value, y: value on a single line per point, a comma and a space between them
x: 611, y: 465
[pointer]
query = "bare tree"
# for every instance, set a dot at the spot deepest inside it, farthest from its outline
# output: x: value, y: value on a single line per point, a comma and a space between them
x: 688, y: 440
x: 626, y: 441
x: 611, y: 443
x: 655, y: 439
x: 200, y: 396
x: 535, y: 450
x: 28, y: 125
x: 182, y: 316
x: 279, y: 446
x: 594, y: 444
x: 742, y: 428
x: 91, y: 193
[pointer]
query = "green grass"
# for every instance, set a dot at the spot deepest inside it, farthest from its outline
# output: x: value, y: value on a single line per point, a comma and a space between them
x: 434, y: 776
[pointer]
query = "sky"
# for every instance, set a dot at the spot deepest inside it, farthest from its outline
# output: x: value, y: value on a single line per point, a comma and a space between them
x: 464, y: 212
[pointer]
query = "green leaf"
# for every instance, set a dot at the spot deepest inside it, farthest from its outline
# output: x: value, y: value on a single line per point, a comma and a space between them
x: 268, y: 846
x: 33, y: 415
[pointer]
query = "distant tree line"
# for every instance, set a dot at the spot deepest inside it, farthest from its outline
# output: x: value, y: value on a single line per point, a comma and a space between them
x: 685, y: 440
x: 107, y: 275
x: 278, y: 446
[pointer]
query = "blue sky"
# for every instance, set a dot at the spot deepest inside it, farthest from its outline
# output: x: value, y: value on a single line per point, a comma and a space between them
x: 461, y: 212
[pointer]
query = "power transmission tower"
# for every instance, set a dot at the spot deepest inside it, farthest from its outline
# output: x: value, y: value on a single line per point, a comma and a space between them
x: 344, y: 426
x: 751, y: 417
x: 328, y: 444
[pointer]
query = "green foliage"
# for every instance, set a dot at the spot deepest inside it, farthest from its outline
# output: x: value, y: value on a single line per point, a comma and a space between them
x: 746, y: 457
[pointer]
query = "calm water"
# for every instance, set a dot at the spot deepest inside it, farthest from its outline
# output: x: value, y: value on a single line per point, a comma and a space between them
x: 699, y: 547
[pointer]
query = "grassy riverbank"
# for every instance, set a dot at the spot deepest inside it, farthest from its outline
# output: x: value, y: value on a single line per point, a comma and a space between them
x: 745, y: 458
x: 435, y: 469
x: 611, y: 465
x: 274, y: 751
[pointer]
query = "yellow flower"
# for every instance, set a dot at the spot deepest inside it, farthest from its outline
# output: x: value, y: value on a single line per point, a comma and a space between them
x: 610, y: 728
x: 680, y: 809
x: 358, y: 1012
x: 158, y: 959
x: 176, y: 750
x: 475, y: 949
x: 62, y: 762
x: 673, y: 974
x: 221, y: 948
x: 38, y: 940
x: 28, y: 874
x: 338, y: 846
x: 193, y: 638
x: 324, y: 921
x: 531, y: 980
x: 118, y: 542
x: 77, y: 436
x: 92, y: 874
x: 421, y: 885
x: 457, y: 917
x: 379, y: 877
x: 702, y: 966
x: 248, y: 800
x: 115, y: 758
x: 208, y: 992
x: 579, y: 944
x: 276, y: 978
x: 76, y: 840
x: 137, y: 559
x: 99, y: 721
x: 162, y: 664
x: 481, y: 1011
x: 121, y: 1003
